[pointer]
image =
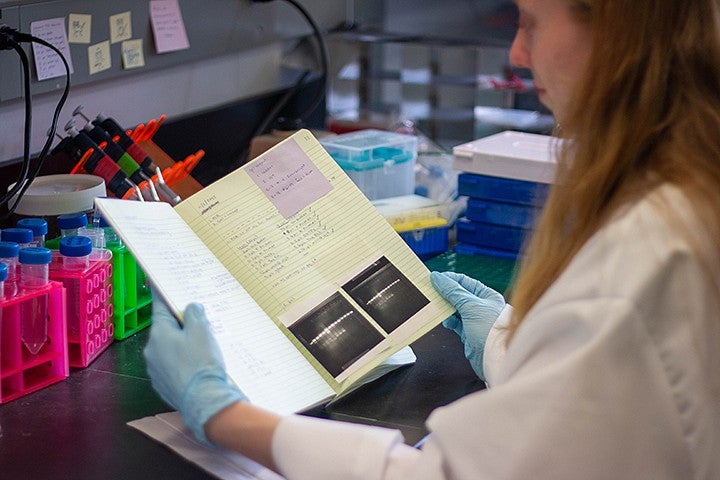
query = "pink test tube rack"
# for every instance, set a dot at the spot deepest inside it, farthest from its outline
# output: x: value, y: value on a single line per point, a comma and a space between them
x: 20, y: 371
x: 94, y: 312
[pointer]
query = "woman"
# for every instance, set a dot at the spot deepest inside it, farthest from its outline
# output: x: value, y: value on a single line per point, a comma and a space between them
x: 607, y: 364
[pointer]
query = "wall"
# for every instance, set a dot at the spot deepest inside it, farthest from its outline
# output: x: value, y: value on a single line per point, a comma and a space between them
x: 236, y: 50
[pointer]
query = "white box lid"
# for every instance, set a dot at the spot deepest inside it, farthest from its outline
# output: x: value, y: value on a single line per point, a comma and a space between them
x: 509, y: 154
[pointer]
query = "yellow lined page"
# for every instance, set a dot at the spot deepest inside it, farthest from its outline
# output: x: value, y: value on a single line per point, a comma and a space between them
x: 259, y: 358
x: 292, y: 226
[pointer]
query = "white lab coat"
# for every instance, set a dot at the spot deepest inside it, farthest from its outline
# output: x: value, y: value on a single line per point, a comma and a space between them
x: 615, y: 373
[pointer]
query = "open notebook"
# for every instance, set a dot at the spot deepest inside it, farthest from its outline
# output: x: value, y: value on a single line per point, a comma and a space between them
x: 307, y: 287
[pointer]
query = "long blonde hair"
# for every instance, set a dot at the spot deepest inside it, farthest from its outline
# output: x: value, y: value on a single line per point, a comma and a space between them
x: 647, y: 112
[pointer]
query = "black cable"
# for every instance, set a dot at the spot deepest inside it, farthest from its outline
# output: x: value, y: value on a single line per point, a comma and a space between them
x: 25, y: 167
x: 322, y: 48
x: 26, y: 180
x: 280, y: 104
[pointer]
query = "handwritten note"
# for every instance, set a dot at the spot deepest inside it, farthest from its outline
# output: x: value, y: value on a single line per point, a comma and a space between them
x: 79, y: 28
x: 288, y: 178
x: 48, y: 63
x: 168, y: 26
x: 99, y: 57
x: 132, y: 54
x: 120, y: 27
x: 258, y: 356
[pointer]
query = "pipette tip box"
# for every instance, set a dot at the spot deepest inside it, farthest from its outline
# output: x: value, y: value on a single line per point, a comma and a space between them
x: 380, y: 163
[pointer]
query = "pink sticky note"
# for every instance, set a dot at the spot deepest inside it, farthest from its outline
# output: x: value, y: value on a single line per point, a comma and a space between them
x: 288, y: 178
x: 168, y: 26
x: 48, y: 63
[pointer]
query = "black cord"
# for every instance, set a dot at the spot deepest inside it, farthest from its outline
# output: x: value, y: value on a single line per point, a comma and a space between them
x: 25, y: 179
x: 25, y: 167
x: 322, y: 50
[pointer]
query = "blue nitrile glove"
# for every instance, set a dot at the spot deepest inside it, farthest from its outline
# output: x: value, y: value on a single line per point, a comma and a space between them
x: 187, y: 368
x: 477, y: 305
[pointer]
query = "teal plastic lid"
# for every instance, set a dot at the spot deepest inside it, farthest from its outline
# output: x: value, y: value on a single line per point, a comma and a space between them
x: 9, y: 249
x: 39, y: 226
x: 35, y: 255
x: 18, y: 235
x: 69, y: 221
x: 75, y: 246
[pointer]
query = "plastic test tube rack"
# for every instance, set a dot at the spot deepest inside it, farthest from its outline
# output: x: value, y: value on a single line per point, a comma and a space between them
x: 20, y: 371
x: 94, y: 314
x: 131, y: 296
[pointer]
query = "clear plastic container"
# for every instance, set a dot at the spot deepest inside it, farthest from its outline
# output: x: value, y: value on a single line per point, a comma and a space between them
x: 34, y: 275
x: 39, y: 227
x: 380, y: 163
x: 22, y: 236
x: 75, y: 252
x: 9, y: 256
x: 69, y: 223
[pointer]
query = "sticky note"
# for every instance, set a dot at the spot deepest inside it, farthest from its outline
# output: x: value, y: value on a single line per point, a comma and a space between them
x: 168, y: 26
x: 99, y: 57
x: 120, y: 27
x: 132, y: 54
x: 48, y: 63
x: 79, y: 28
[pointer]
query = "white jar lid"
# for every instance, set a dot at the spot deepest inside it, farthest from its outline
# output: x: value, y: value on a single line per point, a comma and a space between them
x: 58, y: 194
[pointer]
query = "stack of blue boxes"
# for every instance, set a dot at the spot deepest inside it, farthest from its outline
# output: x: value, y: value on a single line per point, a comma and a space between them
x: 506, y: 178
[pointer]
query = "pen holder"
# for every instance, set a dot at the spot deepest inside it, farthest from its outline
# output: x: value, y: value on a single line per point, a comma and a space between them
x: 20, y: 371
x: 89, y: 308
x: 132, y: 299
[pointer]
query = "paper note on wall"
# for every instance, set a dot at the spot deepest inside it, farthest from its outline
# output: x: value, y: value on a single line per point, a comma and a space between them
x: 168, y: 26
x: 48, y: 63
x: 79, y: 28
x: 132, y: 53
x: 99, y: 57
x: 120, y: 27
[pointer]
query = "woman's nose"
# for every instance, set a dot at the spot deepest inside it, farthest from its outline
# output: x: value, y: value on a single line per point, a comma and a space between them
x: 518, y: 52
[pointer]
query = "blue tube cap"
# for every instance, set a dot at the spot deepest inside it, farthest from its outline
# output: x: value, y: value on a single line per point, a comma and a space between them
x: 77, y: 246
x: 19, y: 235
x: 35, y: 255
x: 9, y: 249
x: 68, y: 221
x: 39, y: 226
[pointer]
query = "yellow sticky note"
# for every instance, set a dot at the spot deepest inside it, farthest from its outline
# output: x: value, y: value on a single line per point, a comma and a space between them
x: 120, y: 27
x: 99, y: 57
x: 79, y: 28
x: 132, y: 54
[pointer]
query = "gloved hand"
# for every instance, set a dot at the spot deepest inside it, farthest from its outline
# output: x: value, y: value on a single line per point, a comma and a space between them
x: 186, y: 367
x: 477, y: 305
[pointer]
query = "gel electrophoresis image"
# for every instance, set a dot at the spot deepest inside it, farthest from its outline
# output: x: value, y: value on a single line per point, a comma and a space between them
x: 386, y: 294
x: 336, y: 334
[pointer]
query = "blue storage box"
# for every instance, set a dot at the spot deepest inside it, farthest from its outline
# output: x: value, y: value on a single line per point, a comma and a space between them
x: 502, y: 213
x: 470, y: 249
x: 380, y: 163
x: 427, y: 242
x: 499, y: 237
x: 502, y: 189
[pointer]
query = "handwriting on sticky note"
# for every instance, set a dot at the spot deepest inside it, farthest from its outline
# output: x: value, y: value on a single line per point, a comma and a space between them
x: 120, y: 27
x: 79, y: 28
x: 99, y: 57
x: 168, y: 26
x: 288, y: 178
x: 48, y: 63
x: 132, y: 54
